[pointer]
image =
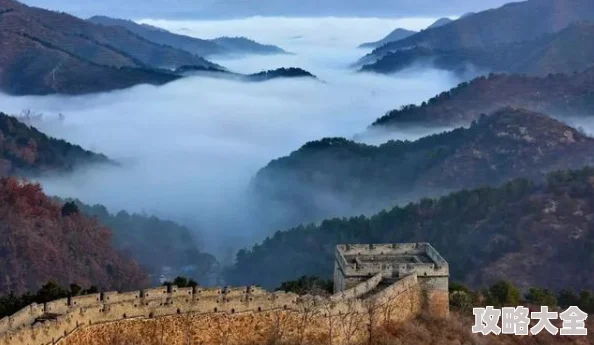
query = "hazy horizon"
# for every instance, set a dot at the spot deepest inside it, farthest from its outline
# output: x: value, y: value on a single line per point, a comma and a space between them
x: 234, y: 9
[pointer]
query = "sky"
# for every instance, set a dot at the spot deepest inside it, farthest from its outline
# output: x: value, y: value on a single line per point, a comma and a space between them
x: 225, y: 9
x: 190, y: 148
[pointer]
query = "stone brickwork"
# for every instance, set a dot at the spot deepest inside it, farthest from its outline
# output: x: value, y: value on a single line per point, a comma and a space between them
x: 226, y: 316
x: 356, y: 263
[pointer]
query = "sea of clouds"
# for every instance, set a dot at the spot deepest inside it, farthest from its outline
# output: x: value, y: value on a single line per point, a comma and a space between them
x: 190, y: 148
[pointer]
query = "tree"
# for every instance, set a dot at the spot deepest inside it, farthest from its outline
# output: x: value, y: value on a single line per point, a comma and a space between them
x: 69, y: 209
x: 541, y: 297
x: 503, y: 294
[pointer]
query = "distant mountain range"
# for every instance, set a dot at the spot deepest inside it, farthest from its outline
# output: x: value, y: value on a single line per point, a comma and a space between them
x: 560, y: 95
x: 201, y: 47
x: 399, y: 34
x: 567, y: 51
x: 335, y: 177
x: 514, y: 22
x: 49, y: 52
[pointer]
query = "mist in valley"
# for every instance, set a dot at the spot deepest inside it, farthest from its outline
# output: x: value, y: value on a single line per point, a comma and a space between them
x: 190, y: 148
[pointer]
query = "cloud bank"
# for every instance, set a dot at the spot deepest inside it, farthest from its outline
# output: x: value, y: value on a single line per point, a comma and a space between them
x: 190, y: 148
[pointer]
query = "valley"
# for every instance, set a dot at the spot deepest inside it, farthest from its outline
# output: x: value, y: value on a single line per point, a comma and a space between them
x: 161, y: 161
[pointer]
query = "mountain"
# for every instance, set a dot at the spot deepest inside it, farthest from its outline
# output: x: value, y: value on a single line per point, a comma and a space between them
x: 157, y: 245
x: 26, y: 151
x: 50, y: 52
x: 201, y: 47
x: 514, y: 22
x: 559, y: 95
x: 243, y: 45
x: 43, y: 241
x: 395, y: 35
x: 336, y: 177
x: 291, y: 72
x: 440, y: 22
x: 399, y: 34
x: 531, y: 234
x: 567, y: 51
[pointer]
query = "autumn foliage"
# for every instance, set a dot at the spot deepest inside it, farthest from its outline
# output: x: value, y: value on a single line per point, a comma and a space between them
x: 39, y: 243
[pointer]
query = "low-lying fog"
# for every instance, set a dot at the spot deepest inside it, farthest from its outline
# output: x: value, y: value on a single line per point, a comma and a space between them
x: 190, y: 148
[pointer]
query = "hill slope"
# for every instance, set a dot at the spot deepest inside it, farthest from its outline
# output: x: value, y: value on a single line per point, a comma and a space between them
x: 49, y: 52
x: 533, y: 235
x: 337, y: 177
x: 567, y: 51
x: 201, y: 47
x: 158, y: 245
x: 41, y: 243
x: 395, y: 35
x: 558, y: 95
x: 26, y: 151
x: 513, y: 22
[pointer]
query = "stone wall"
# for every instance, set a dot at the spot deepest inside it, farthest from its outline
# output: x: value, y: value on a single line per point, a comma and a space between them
x: 208, y: 314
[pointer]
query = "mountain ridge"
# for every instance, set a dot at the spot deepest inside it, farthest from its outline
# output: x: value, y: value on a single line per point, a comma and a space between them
x: 336, y: 177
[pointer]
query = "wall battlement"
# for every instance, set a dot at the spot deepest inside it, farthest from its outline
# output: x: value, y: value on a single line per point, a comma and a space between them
x: 53, y: 322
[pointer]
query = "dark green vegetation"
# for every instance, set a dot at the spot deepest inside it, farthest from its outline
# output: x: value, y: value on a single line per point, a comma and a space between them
x: 506, y: 294
x: 47, y: 52
x: 201, y: 47
x: 559, y: 94
x: 181, y: 282
x: 533, y: 234
x: 336, y: 177
x: 26, y: 151
x: 308, y: 285
x: 154, y: 243
x: 11, y: 303
x: 291, y: 72
x: 567, y: 51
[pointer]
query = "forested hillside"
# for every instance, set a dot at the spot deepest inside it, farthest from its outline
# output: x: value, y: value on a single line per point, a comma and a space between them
x: 42, y: 240
x: 46, y: 52
x: 26, y: 151
x: 155, y: 243
x: 534, y: 234
x: 513, y: 22
x: 558, y: 95
x: 336, y: 177
x: 570, y: 50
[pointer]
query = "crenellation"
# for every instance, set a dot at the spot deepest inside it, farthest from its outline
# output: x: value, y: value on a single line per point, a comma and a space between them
x: 421, y: 282
x: 86, y: 300
x: 59, y: 306
x: 154, y: 293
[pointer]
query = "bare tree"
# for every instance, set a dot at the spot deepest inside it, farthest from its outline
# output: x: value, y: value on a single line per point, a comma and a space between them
x: 372, y: 307
x: 349, y: 320
x: 327, y: 308
x: 278, y: 328
x: 308, y: 309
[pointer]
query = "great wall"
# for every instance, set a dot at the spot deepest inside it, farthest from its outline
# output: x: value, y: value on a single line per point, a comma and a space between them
x: 373, y: 284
